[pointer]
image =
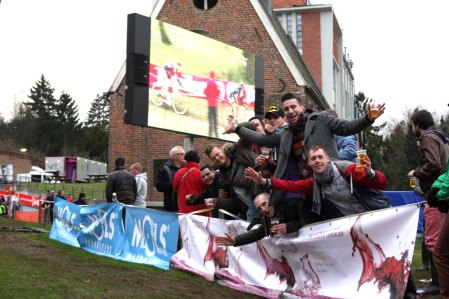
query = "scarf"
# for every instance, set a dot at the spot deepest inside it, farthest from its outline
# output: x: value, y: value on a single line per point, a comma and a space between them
x: 325, y: 178
x: 298, y: 150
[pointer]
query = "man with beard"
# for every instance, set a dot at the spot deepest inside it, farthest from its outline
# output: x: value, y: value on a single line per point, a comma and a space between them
x: 433, y: 152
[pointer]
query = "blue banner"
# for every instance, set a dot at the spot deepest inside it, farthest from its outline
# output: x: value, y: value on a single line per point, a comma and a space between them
x: 103, y: 231
x: 399, y: 198
x: 66, y: 225
x: 151, y: 237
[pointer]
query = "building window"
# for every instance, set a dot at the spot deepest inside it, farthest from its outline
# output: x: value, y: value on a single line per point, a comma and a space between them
x: 289, y: 25
x: 205, y: 4
x: 299, y: 32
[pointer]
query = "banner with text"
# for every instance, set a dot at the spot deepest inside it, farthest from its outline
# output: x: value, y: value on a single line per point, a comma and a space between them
x: 363, y: 255
x: 66, y: 225
x: 103, y: 231
x: 151, y: 237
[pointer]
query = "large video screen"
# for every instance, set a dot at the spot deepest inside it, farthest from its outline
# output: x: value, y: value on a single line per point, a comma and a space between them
x: 196, y: 81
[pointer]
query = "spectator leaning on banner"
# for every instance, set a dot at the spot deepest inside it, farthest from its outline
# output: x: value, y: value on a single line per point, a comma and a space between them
x: 289, y: 221
x: 331, y: 192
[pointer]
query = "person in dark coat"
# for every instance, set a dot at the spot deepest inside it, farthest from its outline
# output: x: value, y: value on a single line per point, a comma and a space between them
x: 121, y: 182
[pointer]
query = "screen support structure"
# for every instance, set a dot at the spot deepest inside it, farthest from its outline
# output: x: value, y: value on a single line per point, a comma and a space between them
x: 137, y: 59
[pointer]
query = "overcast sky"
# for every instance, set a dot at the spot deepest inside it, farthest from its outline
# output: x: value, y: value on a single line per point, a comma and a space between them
x: 400, y: 51
x: 399, y: 48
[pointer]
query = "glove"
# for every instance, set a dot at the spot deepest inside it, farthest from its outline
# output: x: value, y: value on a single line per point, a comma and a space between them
x: 443, y: 206
x: 431, y: 197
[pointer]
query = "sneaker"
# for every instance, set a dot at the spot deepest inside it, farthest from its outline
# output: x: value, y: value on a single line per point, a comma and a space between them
x: 429, y: 290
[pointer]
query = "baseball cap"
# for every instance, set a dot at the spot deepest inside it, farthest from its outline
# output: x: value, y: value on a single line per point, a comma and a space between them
x: 275, y: 111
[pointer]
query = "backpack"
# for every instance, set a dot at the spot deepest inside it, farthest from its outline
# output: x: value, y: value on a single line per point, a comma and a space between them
x: 370, y: 198
x: 443, y: 136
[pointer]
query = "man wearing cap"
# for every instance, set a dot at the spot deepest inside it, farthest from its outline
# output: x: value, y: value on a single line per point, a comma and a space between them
x: 276, y: 118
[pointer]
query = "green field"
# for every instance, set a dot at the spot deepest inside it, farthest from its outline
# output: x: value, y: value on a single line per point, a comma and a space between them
x: 95, y: 191
x: 35, y: 266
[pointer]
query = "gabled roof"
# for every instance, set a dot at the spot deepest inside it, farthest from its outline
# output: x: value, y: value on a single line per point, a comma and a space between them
x: 280, y: 38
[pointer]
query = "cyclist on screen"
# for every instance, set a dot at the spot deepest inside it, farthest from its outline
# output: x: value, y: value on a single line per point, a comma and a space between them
x: 171, y: 79
x: 238, y: 95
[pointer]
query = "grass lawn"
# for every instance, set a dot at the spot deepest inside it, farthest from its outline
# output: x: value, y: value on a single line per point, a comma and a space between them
x: 92, y: 190
x: 34, y: 266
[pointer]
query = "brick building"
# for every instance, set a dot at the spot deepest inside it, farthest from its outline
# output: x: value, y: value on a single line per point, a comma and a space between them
x: 317, y: 35
x: 21, y: 162
x: 250, y: 25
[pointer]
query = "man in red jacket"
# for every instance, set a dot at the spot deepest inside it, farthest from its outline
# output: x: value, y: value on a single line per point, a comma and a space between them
x: 332, y: 194
x: 187, y: 181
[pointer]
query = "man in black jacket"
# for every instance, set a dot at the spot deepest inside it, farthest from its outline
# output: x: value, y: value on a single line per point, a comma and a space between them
x: 165, y: 176
x: 121, y: 182
x: 289, y: 221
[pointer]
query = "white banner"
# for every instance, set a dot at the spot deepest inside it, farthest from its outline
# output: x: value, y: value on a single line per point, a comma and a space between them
x: 360, y: 256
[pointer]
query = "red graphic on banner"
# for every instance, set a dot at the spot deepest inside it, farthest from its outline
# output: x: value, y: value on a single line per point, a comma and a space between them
x: 217, y: 254
x: 311, y: 284
x: 281, y: 268
x: 386, y: 271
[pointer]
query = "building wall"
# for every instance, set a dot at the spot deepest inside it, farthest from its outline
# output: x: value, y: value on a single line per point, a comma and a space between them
x: 144, y: 145
x: 21, y: 162
x: 311, y: 45
x: 287, y: 3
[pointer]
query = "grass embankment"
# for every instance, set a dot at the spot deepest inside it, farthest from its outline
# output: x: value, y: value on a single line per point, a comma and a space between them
x: 35, y: 266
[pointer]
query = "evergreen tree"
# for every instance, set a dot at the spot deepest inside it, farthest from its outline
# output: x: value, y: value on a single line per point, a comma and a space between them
x: 96, y: 131
x: 444, y: 123
x: 68, y: 124
x: 94, y: 143
x: 98, y: 114
x: 43, y: 107
x: 43, y: 103
x: 400, y: 155
x: 22, y: 130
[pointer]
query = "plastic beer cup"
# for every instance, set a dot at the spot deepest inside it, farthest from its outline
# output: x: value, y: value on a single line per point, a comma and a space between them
x: 413, y: 181
x: 361, y: 155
